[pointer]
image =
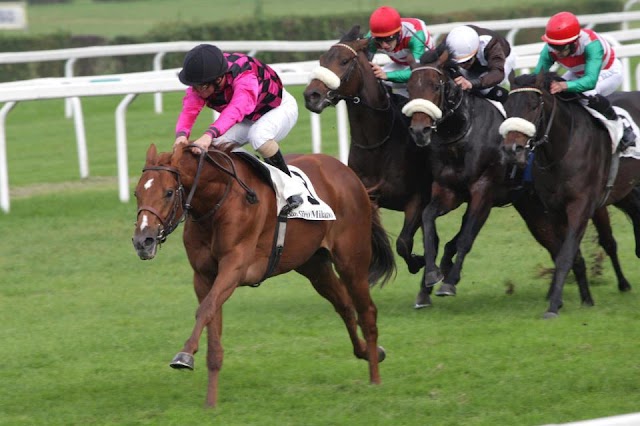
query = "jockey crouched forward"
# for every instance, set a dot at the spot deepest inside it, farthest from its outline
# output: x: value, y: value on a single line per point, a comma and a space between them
x: 398, y: 38
x: 485, y: 58
x: 253, y: 104
x: 591, y: 63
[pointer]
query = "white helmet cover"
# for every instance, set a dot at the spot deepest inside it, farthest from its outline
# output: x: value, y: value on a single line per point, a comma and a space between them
x: 464, y: 42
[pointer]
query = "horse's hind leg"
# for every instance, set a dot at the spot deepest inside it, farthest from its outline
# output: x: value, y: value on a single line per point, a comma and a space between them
x: 607, y: 241
x: 319, y: 270
x: 631, y: 206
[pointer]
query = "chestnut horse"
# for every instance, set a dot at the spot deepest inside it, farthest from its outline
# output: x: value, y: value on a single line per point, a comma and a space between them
x: 392, y: 168
x: 229, y: 240
x: 570, y: 167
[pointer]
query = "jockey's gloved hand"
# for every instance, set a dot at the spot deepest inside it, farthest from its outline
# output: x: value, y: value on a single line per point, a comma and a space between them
x: 454, y: 72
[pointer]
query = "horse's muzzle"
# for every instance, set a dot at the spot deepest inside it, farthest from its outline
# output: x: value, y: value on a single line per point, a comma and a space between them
x: 315, y: 101
x: 421, y: 135
x: 146, y: 245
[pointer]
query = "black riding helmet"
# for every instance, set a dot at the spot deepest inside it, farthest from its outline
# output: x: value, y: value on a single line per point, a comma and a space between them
x: 202, y: 64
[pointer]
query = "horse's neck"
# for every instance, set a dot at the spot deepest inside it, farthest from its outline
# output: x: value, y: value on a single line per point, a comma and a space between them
x: 458, y: 117
x: 561, y: 134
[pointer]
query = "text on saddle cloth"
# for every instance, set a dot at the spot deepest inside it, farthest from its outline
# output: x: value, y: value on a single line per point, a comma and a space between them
x: 615, y: 129
x: 312, y: 208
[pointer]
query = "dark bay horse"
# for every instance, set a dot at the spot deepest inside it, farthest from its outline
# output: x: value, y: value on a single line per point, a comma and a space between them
x: 392, y: 168
x: 461, y: 133
x: 229, y: 237
x: 570, y: 166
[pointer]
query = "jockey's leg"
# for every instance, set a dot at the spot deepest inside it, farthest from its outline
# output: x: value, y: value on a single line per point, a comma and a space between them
x: 603, y: 106
x: 272, y: 155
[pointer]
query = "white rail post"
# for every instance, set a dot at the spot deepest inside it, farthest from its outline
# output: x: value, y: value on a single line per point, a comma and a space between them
x: 316, y: 133
x: 343, y: 131
x: 81, y: 138
x: 157, y: 97
x: 4, y: 172
x: 68, y: 72
x: 121, y: 144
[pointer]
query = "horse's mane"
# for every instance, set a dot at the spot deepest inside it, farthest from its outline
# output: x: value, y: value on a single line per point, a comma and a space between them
x: 529, y: 80
x: 431, y: 57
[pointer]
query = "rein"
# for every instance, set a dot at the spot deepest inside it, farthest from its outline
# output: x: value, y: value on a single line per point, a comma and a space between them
x: 447, y: 107
x: 171, y: 223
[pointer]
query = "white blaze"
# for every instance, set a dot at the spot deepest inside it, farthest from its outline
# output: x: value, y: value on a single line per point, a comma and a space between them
x: 148, y: 183
x: 145, y: 222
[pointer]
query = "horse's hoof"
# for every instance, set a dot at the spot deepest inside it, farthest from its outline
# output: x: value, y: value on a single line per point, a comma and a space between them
x: 381, y: 354
x: 423, y: 299
x: 550, y: 315
x: 416, y: 263
x: 432, y: 278
x: 446, y: 290
x: 181, y: 361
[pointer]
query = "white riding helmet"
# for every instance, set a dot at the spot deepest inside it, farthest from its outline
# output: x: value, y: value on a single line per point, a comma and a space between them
x: 464, y: 42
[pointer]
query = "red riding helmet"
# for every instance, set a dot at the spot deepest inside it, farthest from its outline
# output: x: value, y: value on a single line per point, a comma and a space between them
x: 562, y: 28
x: 384, y: 21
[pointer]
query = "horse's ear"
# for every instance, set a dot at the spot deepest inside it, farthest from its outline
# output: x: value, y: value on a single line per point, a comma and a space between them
x: 152, y: 153
x: 176, y: 156
x: 444, y: 56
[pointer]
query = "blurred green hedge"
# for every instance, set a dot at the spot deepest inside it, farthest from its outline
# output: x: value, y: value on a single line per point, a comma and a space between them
x: 289, y: 28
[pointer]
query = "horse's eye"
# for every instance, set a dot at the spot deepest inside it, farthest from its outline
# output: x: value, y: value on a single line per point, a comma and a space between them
x: 169, y: 193
x: 345, y: 61
x: 135, y: 194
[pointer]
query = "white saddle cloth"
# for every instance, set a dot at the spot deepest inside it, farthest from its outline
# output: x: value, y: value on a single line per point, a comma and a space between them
x: 312, y: 208
x: 616, y: 128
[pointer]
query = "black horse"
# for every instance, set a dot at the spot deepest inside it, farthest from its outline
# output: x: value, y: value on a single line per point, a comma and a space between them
x: 570, y: 167
x: 461, y: 131
x: 394, y: 171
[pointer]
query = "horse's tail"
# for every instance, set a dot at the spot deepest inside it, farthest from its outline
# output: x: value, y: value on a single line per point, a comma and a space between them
x: 383, y: 263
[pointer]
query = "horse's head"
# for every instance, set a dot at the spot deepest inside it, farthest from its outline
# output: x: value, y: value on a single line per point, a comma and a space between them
x: 525, y: 108
x: 428, y: 87
x: 341, y: 74
x: 159, y: 196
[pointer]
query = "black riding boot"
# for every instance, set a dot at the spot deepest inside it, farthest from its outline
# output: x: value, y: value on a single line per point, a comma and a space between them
x: 277, y: 160
x: 603, y: 106
x: 628, y: 138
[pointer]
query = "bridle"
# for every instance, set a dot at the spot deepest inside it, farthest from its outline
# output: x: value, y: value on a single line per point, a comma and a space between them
x: 172, y: 221
x: 533, y: 142
x: 447, y: 106
x: 334, y: 96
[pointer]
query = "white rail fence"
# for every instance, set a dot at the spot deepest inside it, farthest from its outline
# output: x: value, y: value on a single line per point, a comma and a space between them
x: 160, y: 81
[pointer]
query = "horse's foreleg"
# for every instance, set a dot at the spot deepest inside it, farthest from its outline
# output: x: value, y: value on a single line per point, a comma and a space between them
x: 607, y: 241
x: 404, y: 243
x: 215, y: 355
x: 441, y: 201
x: 577, y: 218
x: 475, y: 217
x: 209, y: 314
